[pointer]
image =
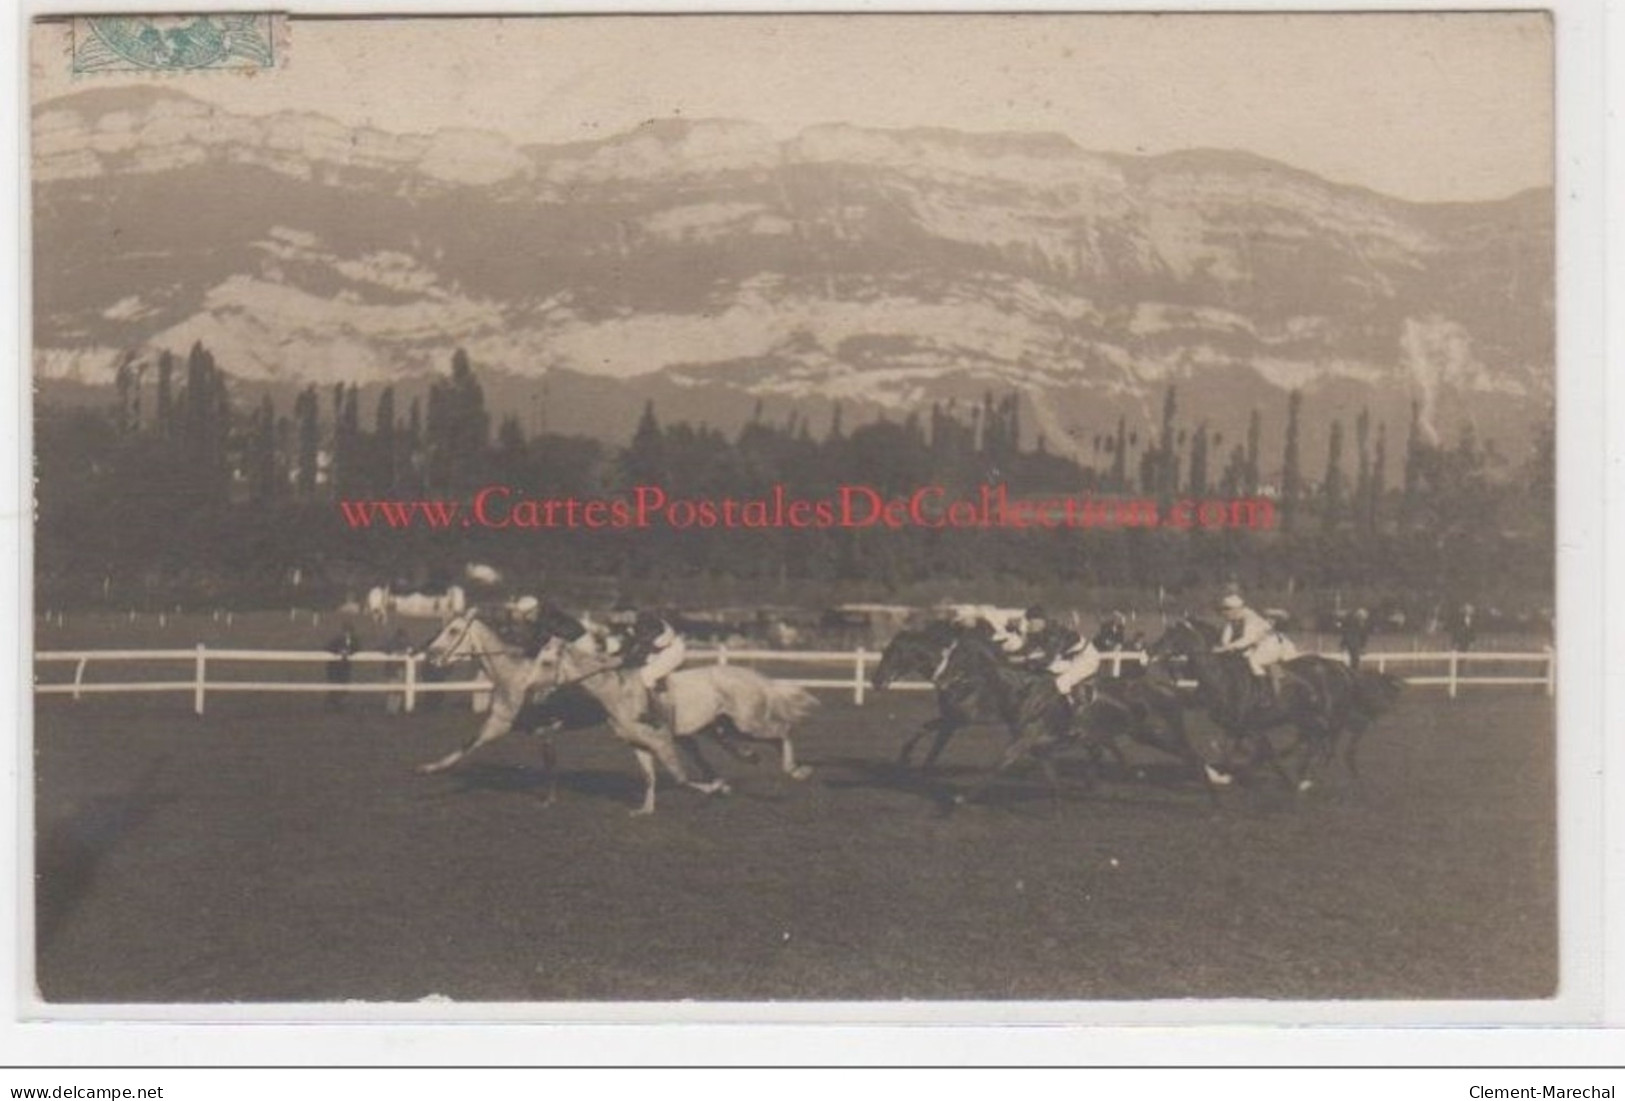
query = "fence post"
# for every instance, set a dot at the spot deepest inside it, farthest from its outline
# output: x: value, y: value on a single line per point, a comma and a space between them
x: 410, y: 700
x: 198, y: 682
x: 1551, y: 671
x: 722, y: 654
x: 857, y: 678
x: 1453, y: 657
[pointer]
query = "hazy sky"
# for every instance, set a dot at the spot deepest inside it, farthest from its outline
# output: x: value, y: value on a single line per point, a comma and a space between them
x: 1427, y: 107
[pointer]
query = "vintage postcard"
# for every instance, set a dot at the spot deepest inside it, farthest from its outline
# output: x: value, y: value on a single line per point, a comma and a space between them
x: 1044, y: 509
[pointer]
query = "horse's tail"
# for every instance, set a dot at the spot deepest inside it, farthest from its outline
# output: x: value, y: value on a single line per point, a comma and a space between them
x: 788, y: 703
x: 749, y: 698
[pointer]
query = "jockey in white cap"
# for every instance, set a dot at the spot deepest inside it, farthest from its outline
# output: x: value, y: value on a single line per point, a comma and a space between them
x: 1247, y: 632
x: 1058, y: 650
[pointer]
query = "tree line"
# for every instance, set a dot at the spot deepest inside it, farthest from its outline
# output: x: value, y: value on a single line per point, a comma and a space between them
x: 202, y: 494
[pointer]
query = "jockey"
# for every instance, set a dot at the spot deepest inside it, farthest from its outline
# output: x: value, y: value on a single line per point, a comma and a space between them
x: 1058, y: 650
x: 655, y: 649
x: 527, y: 620
x: 539, y: 622
x: 1247, y: 632
x: 1113, y: 633
x: 1011, y: 638
x: 983, y: 620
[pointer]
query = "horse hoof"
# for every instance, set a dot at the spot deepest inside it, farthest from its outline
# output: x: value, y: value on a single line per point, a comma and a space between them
x: 1217, y: 778
x: 800, y: 772
x: 1305, y: 785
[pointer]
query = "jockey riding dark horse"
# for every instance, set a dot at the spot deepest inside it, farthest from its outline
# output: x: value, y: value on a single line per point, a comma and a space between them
x: 976, y: 683
x: 1319, y: 697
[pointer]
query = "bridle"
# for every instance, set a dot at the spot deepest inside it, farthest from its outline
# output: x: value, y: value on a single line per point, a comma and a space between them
x: 456, y: 650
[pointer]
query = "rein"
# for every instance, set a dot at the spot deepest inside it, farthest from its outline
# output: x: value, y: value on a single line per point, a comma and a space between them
x: 558, y: 684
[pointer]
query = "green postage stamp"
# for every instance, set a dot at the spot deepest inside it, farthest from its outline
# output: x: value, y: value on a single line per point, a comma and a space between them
x: 167, y: 43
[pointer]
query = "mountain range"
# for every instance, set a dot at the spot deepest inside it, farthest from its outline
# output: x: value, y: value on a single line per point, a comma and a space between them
x: 713, y: 267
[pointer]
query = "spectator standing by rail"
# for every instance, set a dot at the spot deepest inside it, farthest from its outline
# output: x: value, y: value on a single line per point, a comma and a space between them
x: 399, y: 644
x: 338, y: 670
x: 1356, y: 632
x: 1464, y: 631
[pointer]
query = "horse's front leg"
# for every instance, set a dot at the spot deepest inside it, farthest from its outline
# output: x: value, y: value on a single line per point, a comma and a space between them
x: 651, y: 739
x: 496, y: 724
x: 905, y: 755
x: 646, y: 764
x: 945, y: 729
x: 550, y: 765
x: 1319, y: 745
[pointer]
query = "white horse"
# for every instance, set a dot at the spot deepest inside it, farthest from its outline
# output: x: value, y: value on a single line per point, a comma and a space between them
x: 725, y: 700
x: 465, y: 636
x: 739, y: 698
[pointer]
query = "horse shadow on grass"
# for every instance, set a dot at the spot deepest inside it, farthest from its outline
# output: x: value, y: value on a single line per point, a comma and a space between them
x: 534, y: 783
x: 611, y: 785
x: 1025, y: 788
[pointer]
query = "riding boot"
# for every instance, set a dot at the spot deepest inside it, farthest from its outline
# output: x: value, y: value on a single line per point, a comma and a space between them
x: 659, y: 705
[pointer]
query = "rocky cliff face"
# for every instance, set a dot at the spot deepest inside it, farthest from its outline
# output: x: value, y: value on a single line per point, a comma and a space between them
x: 710, y: 265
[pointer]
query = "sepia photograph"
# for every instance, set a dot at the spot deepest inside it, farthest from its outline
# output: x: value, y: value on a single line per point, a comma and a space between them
x: 1043, y: 508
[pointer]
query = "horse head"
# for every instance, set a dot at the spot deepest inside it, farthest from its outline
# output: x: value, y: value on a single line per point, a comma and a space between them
x: 1184, y: 638
x: 453, y: 641
x: 917, y: 653
x: 464, y: 636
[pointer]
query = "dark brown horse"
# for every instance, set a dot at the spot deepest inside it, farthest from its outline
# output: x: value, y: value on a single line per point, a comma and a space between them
x: 976, y: 685
x: 1325, y: 702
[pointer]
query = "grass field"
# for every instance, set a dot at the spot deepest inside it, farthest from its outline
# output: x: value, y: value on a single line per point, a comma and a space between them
x: 273, y: 851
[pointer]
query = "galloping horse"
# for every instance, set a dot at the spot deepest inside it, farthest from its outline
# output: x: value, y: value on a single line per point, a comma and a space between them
x: 741, y: 702
x: 922, y: 653
x: 1148, y: 709
x: 1320, y: 698
x: 975, y: 685
x: 467, y: 636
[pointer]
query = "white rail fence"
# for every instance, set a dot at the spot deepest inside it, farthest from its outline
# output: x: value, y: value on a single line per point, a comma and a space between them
x: 854, y: 667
